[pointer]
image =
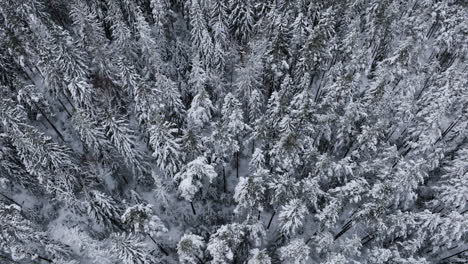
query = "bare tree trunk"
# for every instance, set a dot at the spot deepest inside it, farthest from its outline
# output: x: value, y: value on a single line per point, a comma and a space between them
x: 193, y: 208
x: 456, y: 254
x: 64, y: 107
x: 46, y: 259
x: 237, y: 164
x: 345, y: 229
x: 199, y: 259
x: 159, y: 246
x: 69, y: 101
x: 9, y: 199
x: 224, y: 179
x: 271, y: 219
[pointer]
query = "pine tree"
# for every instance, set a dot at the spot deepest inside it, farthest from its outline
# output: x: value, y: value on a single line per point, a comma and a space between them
x: 233, y: 128
x: 103, y: 208
x: 123, y: 138
x: 296, y: 252
x: 277, y: 53
x: 201, y: 107
x: 21, y: 239
x: 40, y: 156
x: 87, y: 27
x: 250, y: 194
x: 120, y: 32
x: 190, y: 249
x: 158, y: 10
x: 141, y: 219
x: 241, y: 20
x: 201, y: 39
x: 167, y: 148
x: 224, y: 243
x: 129, y: 249
x: 291, y: 216
x: 257, y: 163
x: 453, y: 190
x: 146, y: 41
x: 193, y: 177
x: 218, y: 22
x: 91, y: 133
x: 249, y: 81
x: 63, y: 63
x: 231, y: 242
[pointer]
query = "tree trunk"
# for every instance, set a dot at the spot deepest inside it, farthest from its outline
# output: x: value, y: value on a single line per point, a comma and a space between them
x: 271, y: 219
x: 345, y: 229
x: 193, y: 208
x: 456, y: 254
x: 69, y: 101
x: 237, y: 164
x: 64, y: 107
x: 199, y: 259
x: 46, y: 259
x: 224, y: 179
x: 9, y: 199
x: 159, y: 246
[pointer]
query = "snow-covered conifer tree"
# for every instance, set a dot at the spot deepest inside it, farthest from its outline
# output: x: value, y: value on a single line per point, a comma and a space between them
x: 167, y: 148
x: 190, y: 249
x: 195, y: 175
x: 296, y: 252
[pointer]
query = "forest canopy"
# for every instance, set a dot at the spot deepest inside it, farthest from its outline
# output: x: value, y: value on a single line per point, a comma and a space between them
x: 233, y: 131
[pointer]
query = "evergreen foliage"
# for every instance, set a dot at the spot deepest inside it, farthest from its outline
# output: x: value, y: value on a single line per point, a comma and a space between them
x: 233, y: 131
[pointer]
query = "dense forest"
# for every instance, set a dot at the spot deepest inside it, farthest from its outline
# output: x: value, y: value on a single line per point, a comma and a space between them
x: 233, y: 131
